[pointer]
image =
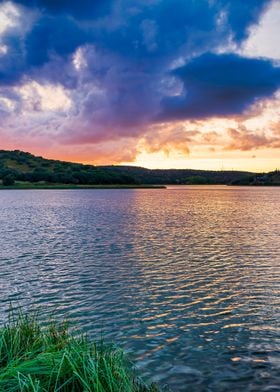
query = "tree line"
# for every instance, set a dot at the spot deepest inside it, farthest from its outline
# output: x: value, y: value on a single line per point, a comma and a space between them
x: 18, y: 166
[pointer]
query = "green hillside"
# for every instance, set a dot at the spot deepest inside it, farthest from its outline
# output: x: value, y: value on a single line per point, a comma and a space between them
x: 265, y: 179
x: 22, y: 168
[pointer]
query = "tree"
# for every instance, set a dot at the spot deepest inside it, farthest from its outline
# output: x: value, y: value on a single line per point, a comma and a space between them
x: 197, y: 180
x: 8, y: 180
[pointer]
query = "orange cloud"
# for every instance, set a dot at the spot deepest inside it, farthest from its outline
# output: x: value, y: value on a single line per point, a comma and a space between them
x: 245, y: 140
x: 168, y: 137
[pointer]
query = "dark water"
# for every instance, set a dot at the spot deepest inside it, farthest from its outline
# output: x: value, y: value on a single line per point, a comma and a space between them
x: 187, y: 280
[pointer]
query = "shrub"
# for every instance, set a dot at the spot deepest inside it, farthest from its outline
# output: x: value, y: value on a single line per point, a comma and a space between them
x: 8, y: 180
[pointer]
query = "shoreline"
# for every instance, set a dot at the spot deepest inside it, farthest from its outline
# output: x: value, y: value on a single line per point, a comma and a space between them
x: 70, y: 186
x: 88, y: 187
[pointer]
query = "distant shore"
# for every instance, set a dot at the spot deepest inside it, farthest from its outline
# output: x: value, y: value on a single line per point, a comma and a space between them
x: 71, y: 186
x: 33, y: 186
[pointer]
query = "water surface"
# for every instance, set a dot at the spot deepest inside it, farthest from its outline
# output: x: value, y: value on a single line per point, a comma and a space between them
x: 186, y: 279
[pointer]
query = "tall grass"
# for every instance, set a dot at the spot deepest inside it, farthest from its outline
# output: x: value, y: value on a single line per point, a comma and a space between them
x: 51, y: 359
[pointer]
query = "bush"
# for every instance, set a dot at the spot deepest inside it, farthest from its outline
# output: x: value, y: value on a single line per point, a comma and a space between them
x: 8, y: 180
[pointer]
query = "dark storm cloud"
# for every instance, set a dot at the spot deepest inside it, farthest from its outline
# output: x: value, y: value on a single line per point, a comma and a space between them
x: 224, y: 84
x: 13, y: 65
x: 84, y: 9
x: 241, y: 14
x: 59, y: 35
x: 147, y: 31
x: 131, y: 49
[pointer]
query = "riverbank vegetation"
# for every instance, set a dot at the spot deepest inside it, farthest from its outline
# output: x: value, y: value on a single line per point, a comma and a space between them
x: 51, y: 359
x: 261, y: 179
x: 46, y: 185
x: 22, y: 169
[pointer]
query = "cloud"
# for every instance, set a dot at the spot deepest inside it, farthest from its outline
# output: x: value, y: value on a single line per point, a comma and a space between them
x: 242, y: 139
x: 37, y: 97
x: 168, y: 138
x: 240, y: 15
x: 260, y: 42
x: 124, y: 66
x: 247, y: 140
x: 84, y: 9
x: 150, y: 35
x: 221, y: 85
x: 60, y: 35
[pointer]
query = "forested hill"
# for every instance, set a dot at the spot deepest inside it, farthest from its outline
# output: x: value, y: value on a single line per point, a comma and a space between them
x: 266, y: 179
x: 21, y: 167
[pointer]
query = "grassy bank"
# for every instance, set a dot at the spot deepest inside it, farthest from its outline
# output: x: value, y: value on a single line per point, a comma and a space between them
x: 71, y: 186
x: 50, y: 359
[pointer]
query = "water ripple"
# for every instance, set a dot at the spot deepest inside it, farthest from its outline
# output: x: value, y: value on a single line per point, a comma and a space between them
x: 186, y: 280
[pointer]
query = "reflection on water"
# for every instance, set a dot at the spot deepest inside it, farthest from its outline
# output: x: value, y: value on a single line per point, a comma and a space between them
x: 186, y: 279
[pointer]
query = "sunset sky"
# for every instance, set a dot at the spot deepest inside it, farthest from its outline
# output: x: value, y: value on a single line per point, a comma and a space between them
x: 154, y: 83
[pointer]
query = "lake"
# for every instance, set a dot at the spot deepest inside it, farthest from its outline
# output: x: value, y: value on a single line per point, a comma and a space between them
x: 185, y: 279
